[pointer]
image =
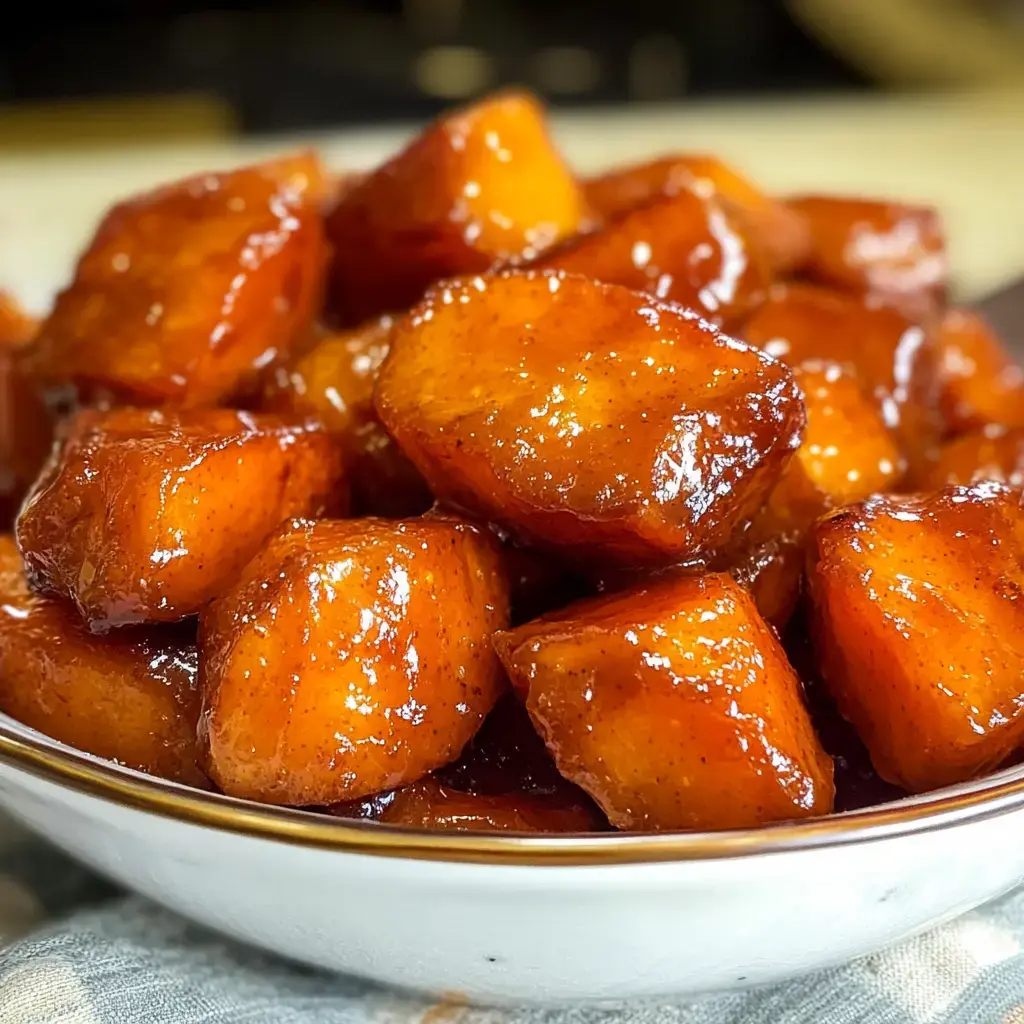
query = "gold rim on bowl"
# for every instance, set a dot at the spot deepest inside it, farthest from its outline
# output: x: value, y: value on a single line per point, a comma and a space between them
x: 28, y: 751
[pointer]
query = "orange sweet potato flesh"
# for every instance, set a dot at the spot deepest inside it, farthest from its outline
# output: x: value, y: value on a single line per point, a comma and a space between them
x: 595, y: 420
x: 132, y: 697
x: 917, y: 623
x: 332, y: 382
x: 992, y: 453
x: 895, y: 360
x: 674, y: 706
x: 184, y: 292
x: 780, y: 231
x: 847, y: 453
x: 144, y: 516
x: 431, y: 805
x: 869, y: 245
x: 25, y: 434
x: 350, y: 657
x: 478, y: 187
x: 981, y: 381
x: 684, y: 247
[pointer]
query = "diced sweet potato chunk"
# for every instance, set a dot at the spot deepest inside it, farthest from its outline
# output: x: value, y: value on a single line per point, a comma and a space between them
x: 16, y: 326
x: 595, y: 420
x: 332, y: 382
x: 772, y: 569
x: 981, y: 382
x: 895, y: 360
x: 144, y: 516
x: 350, y: 658
x: 478, y: 187
x: 780, y: 231
x: 868, y: 245
x: 683, y: 247
x: 131, y: 697
x: 303, y: 174
x: 847, y: 453
x: 674, y: 706
x: 992, y: 453
x: 432, y: 805
x: 183, y: 293
x: 25, y: 434
x: 917, y: 621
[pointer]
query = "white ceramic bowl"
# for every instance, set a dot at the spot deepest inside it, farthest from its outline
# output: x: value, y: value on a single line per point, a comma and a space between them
x: 494, y: 918
x: 500, y: 918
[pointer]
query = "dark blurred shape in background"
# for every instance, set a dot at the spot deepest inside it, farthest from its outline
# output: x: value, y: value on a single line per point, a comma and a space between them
x: 281, y: 66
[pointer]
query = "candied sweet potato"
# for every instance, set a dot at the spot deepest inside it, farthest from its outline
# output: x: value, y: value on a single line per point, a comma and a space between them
x: 332, y: 381
x: 896, y: 361
x: 350, y: 657
x: 144, y: 516
x: 992, y: 453
x: 594, y: 420
x: 132, y: 697
x: 780, y: 231
x: 16, y: 326
x: 917, y: 623
x: 894, y: 250
x: 772, y: 569
x: 432, y: 805
x: 674, y: 706
x: 478, y: 187
x: 184, y: 292
x: 25, y: 434
x: 684, y: 247
x: 981, y: 382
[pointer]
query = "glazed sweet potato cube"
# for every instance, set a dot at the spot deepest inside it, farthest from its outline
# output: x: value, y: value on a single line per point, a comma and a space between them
x: 478, y: 187
x: 780, y: 231
x: 981, y: 381
x: 674, y: 706
x: 895, y: 360
x: 131, y: 698
x: 916, y: 618
x: 992, y: 453
x: 184, y: 292
x: 16, y: 326
x: 144, y: 516
x: 25, y: 434
x: 594, y: 420
x: 350, y: 657
x: 771, y: 568
x: 431, y: 805
x: 332, y: 382
x: 683, y: 247
x: 869, y: 245
x: 303, y: 174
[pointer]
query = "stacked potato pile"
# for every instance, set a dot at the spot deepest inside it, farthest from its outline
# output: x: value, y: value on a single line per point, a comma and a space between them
x: 446, y: 496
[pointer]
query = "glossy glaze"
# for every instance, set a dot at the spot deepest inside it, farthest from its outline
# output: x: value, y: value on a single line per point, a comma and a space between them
x: 184, y: 292
x: 981, y: 381
x: 478, y: 187
x: 595, y: 420
x: 870, y: 245
x: 990, y: 453
x: 332, y: 381
x: 674, y: 706
x: 431, y: 805
x: 350, y: 657
x: 684, y: 247
x: 144, y: 516
x: 131, y: 698
x: 780, y: 231
x: 917, y: 620
x: 896, y: 360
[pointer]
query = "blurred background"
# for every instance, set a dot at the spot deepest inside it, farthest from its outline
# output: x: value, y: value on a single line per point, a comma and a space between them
x: 93, y: 72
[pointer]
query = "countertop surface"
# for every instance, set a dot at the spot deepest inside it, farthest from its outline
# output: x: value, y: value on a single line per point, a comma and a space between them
x: 964, y: 153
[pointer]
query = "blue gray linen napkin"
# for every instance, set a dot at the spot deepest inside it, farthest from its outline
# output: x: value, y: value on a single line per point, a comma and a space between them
x: 75, y: 951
